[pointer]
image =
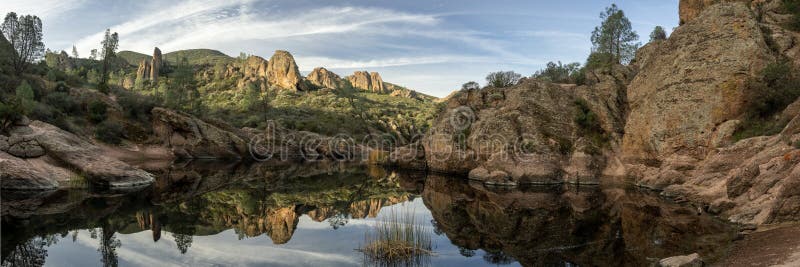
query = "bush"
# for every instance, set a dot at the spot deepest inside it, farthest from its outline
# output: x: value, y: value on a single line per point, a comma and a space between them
x: 502, y: 79
x: 63, y: 102
x: 97, y: 111
x: 109, y: 132
x: 778, y: 87
x: 793, y: 7
x: 559, y: 73
x: 599, y: 61
x: 589, y: 126
x: 137, y: 107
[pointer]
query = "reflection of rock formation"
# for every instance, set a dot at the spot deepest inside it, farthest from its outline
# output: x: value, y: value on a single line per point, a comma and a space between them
x: 594, y: 227
x: 370, y: 208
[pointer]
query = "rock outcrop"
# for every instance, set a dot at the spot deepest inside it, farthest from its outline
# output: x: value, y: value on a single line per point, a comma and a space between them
x: 523, y: 134
x: 282, y: 71
x: 190, y: 137
x: 150, y: 69
x: 324, y: 78
x: 41, y: 156
x: 677, y: 77
x: 367, y: 81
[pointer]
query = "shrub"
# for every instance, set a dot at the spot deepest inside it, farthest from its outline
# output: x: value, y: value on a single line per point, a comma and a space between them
x: 137, y: 107
x: 63, y: 102
x: 109, y: 132
x: 470, y: 86
x: 778, y: 86
x: 97, y: 111
x: 559, y: 73
x: 793, y: 7
x: 589, y: 126
x: 502, y: 79
x: 797, y: 144
x: 598, y: 60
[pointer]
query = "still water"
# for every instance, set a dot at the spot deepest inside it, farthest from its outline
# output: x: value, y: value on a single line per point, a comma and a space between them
x: 213, y: 214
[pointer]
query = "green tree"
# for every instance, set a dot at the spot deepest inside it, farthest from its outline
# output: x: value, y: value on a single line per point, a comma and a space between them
x: 20, y: 104
x: 110, y: 44
x: 470, y: 86
x: 74, y: 52
x: 501, y: 79
x: 93, y: 54
x: 615, y: 36
x: 97, y: 111
x: 25, y: 35
x: 559, y: 73
x: 658, y: 34
x: 182, y: 89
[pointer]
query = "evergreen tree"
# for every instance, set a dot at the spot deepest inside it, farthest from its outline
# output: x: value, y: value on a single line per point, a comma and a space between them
x: 110, y: 44
x: 74, y: 52
x: 658, y: 34
x: 25, y: 35
x: 615, y: 37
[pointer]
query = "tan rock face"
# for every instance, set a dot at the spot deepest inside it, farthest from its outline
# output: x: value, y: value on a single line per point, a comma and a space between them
x: 361, y: 80
x: 701, y: 68
x: 376, y: 83
x: 324, y: 78
x: 156, y: 65
x: 144, y: 70
x: 282, y: 71
x: 189, y: 137
x: 255, y: 66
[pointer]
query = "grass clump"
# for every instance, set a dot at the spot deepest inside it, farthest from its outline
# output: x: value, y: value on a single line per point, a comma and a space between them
x: 398, y: 240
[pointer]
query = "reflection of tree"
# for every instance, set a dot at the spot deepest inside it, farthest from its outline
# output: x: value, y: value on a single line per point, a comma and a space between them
x: 337, y: 220
x: 436, y: 229
x: 466, y: 252
x: 31, y: 253
x: 498, y: 258
x: 108, y: 247
x: 183, y: 242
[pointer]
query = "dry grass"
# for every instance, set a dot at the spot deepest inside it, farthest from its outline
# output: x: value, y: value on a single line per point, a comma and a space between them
x: 398, y: 240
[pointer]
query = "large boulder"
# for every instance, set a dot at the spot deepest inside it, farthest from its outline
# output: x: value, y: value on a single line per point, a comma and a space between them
x: 282, y: 71
x: 324, y: 78
x: 48, y: 156
x: 376, y: 82
x: 703, y: 67
x: 190, y: 137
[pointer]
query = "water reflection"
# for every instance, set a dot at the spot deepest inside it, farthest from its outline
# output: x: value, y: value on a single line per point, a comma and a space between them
x: 331, y: 206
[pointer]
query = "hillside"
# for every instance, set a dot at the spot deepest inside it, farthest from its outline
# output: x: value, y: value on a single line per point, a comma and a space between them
x: 198, y: 56
x: 133, y: 58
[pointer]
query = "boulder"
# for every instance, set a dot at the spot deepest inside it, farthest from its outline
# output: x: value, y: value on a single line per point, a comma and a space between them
x: 691, y: 260
x: 144, y: 70
x: 24, y: 146
x: 324, y: 78
x: 190, y: 137
x: 18, y: 174
x: 282, y: 71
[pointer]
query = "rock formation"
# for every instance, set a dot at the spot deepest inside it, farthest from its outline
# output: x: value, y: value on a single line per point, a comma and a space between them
x: 282, y: 71
x: 190, y: 137
x: 666, y: 121
x: 367, y: 81
x: 324, y: 78
x: 41, y: 156
x: 156, y: 65
x: 149, y: 70
x: 376, y: 83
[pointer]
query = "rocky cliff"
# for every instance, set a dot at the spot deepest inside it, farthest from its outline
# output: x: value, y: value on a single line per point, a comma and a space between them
x: 367, y: 81
x: 282, y: 71
x: 324, y: 78
x: 665, y: 122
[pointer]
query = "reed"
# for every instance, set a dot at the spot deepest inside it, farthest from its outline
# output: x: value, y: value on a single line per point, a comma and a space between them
x: 398, y: 240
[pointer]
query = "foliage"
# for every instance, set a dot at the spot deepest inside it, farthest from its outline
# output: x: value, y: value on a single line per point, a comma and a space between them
x: 137, y: 106
x: 109, y: 132
x: 470, y: 86
x: 396, y: 241
x: 97, y: 111
x: 589, y: 126
x: 197, y: 57
x: 63, y: 102
x: 20, y: 104
x: 25, y: 35
x: 615, y: 36
x: 502, y: 79
x: 793, y: 7
x: 559, y: 73
x: 109, y: 44
x: 658, y: 34
x: 778, y: 86
x: 599, y: 61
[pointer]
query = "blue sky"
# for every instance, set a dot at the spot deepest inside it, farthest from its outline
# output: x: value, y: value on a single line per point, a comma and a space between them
x: 429, y: 45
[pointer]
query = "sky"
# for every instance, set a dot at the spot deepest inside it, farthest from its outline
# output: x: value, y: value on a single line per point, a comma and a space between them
x: 432, y: 46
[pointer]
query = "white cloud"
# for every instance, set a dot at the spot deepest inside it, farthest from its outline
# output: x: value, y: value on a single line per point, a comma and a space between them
x: 42, y: 8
